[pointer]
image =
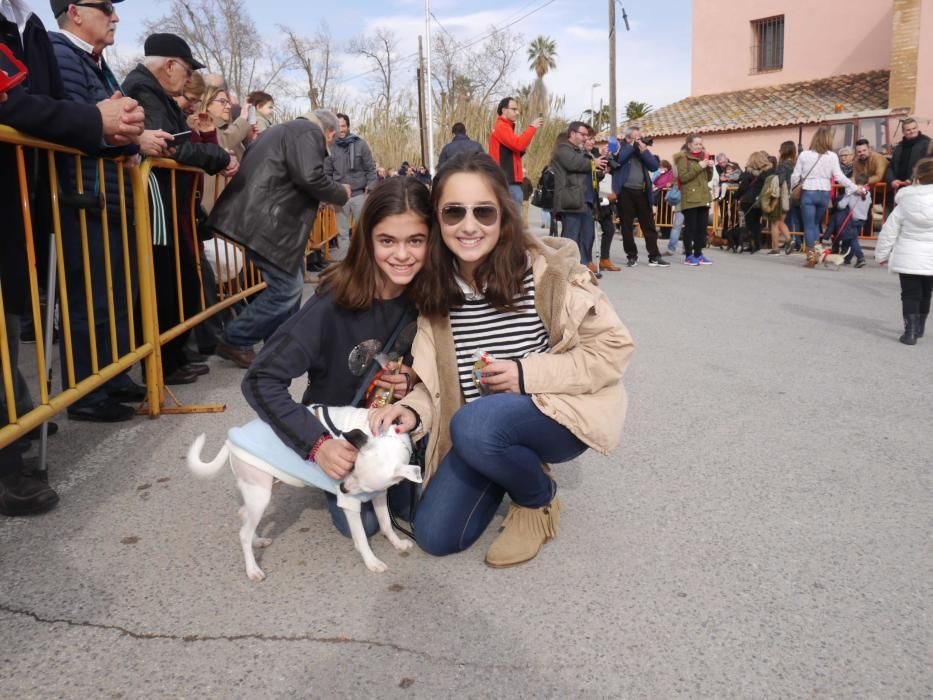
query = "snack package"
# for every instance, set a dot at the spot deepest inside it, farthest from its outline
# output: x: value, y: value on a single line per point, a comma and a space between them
x: 481, y: 358
x: 379, y: 396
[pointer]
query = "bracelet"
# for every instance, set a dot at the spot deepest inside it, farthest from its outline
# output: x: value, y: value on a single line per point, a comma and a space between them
x: 317, y: 445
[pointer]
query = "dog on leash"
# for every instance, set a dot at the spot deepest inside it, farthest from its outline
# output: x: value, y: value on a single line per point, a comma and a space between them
x: 258, y: 458
x: 827, y: 257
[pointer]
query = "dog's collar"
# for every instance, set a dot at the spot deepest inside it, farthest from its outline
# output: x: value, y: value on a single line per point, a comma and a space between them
x: 322, y: 414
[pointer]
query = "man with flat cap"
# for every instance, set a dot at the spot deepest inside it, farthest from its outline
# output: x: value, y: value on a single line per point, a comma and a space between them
x: 154, y: 83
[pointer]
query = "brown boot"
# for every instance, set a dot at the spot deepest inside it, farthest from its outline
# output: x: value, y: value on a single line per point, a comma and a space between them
x: 592, y: 267
x: 524, y: 532
x: 606, y: 264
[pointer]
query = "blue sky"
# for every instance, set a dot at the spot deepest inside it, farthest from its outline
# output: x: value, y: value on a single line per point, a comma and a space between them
x: 653, y: 58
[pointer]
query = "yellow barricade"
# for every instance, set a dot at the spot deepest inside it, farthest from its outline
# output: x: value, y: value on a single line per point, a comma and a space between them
x: 84, y: 244
x: 94, y: 245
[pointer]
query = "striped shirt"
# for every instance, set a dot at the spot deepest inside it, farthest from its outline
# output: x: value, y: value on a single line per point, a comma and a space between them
x: 478, y: 326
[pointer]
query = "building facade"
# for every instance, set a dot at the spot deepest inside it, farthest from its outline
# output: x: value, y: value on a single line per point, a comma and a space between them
x: 767, y: 71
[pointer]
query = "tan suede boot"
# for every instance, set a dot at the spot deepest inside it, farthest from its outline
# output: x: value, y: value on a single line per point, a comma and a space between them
x: 524, y: 532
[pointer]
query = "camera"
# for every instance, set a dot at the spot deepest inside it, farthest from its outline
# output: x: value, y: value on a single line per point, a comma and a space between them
x: 647, y: 140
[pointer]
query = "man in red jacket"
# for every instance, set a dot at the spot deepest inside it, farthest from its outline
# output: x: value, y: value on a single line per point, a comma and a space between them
x: 507, y: 148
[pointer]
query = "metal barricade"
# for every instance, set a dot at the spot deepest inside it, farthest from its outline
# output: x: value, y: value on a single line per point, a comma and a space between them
x: 100, y: 268
x: 177, y: 260
x: 91, y: 270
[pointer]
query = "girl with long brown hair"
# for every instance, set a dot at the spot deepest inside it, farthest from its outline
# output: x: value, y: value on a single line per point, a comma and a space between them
x: 520, y: 357
x: 360, y: 305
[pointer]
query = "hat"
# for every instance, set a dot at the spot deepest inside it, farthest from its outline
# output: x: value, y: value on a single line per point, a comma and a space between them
x: 60, y: 6
x: 170, y: 46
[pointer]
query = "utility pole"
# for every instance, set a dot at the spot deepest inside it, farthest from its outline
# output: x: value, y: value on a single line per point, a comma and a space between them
x: 427, y: 21
x: 421, y: 130
x: 613, y: 124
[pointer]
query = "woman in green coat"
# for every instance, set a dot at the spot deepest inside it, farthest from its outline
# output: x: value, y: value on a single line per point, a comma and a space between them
x: 694, y: 169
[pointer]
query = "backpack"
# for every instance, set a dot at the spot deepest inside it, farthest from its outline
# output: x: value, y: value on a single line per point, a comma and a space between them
x: 543, y: 196
x: 769, y: 200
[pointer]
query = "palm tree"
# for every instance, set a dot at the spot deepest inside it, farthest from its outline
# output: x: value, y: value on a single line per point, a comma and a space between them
x: 637, y: 110
x: 542, y: 55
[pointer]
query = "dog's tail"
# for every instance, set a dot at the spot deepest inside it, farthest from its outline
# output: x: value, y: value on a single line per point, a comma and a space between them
x: 205, y: 469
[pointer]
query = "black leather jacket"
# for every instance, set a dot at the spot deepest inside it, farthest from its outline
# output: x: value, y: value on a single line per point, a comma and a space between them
x: 271, y: 203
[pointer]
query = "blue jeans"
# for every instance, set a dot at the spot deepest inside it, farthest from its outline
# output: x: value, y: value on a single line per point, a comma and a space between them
x: 499, y: 443
x: 280, y: 299
x: 399, y: 503
x: 813, y: 206
x: 578, y: 227
x: 677, y: 225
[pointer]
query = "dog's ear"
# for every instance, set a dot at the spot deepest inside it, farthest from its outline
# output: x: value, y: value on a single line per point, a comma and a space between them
x: 412, y: 472
x: 357, y: 438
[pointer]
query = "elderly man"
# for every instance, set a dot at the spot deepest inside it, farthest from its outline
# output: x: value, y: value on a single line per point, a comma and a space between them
x: 350, y: 163
x: 166, y: 68
x: 39, y: 111
x: 270, y: 207
x: 86, y: 31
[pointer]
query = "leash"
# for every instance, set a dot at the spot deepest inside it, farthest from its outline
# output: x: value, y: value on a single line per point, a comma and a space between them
x: 845, y: 222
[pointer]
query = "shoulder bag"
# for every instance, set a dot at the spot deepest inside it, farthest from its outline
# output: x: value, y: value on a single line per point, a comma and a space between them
x: 797, y: 190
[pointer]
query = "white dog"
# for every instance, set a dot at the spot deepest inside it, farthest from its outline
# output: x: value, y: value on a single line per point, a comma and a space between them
x: 258, y: 457
x: 828, y: 257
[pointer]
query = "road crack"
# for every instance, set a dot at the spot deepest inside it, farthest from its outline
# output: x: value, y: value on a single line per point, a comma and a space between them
x: 194, y: 638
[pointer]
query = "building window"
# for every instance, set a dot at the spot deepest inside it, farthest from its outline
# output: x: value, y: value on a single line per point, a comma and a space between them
x: 768, y: 49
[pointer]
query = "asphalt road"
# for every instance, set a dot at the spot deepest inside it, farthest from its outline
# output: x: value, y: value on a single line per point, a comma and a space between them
x: 764, y: 530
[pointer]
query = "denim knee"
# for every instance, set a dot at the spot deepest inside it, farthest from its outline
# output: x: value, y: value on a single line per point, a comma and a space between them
x: 339, y: 518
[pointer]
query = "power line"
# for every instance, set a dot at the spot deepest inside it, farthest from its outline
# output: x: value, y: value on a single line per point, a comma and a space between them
x: 467, y: 45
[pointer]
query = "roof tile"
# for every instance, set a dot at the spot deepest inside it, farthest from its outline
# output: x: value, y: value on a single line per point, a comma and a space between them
x: 788, y: 104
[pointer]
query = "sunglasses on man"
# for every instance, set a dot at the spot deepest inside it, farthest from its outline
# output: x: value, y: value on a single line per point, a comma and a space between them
x: 105, y: 7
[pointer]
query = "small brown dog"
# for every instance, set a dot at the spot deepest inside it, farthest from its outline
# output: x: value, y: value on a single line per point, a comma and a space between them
x: 828, y: 257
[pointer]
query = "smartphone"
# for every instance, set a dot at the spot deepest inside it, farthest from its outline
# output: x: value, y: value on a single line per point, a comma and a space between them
x: 251, y: 115
x: 8, y: 82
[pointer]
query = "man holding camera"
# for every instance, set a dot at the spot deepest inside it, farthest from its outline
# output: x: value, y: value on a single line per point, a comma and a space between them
x: 631, y: 168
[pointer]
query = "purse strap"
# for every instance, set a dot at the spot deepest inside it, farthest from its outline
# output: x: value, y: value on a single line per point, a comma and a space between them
x: 804, y: 179
x: 373, y: 365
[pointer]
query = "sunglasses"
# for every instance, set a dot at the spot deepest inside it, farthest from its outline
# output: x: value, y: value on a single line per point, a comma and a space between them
x: 105, y: 7
x: 485, y: 214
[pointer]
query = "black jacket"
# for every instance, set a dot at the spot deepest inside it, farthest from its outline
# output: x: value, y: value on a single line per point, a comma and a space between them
x: 903, y: 160
x: 319, y: 341
x: 162, y: 112
x: 87, y: 83
x: 271, y: 204
x: 461, y: 143
x: 37, y: 108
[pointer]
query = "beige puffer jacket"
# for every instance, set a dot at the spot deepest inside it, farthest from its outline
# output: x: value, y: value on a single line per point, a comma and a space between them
x: 578, y: 382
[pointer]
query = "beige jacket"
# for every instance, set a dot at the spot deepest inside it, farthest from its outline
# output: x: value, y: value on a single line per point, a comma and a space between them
x: 578, y: 382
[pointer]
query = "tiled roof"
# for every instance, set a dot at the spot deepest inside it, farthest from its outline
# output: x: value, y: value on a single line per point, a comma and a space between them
x: 789, y: 104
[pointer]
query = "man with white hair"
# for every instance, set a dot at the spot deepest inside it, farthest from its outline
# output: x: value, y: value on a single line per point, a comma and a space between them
x: 270, y: 207
x: 163, y: 74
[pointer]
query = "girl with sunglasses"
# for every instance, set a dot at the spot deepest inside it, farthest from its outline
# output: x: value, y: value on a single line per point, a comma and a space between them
x: 360, y: 305
x: 547, y: 387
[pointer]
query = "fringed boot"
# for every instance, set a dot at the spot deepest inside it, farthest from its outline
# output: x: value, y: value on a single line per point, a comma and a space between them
x: 524, y: 532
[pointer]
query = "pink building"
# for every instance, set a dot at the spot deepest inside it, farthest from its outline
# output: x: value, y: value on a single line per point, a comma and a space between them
x: 767, y: 71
